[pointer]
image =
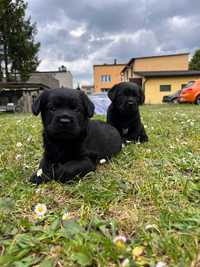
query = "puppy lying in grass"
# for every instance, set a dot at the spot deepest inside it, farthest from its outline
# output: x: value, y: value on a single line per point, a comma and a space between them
x: 123, y: 113
x: 73, y: 144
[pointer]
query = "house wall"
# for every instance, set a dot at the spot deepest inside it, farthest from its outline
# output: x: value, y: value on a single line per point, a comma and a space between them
x: 113, y: 70
x: 44, y: 78
x: 53, y: 79
x: 162, y: 63
x: 152, y: 87
x: 65, y: 79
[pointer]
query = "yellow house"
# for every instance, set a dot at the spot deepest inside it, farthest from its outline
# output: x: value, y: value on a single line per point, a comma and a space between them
x: 156, y: 84
x: 106, y: 75
x: 159, y: 75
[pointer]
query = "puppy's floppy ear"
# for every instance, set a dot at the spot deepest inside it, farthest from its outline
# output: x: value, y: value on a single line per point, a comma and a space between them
x: 112, y: 93
x: 141, y: 97
x: 87, y: 104
x: 37, y: 104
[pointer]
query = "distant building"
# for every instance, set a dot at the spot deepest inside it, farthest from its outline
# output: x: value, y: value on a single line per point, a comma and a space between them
x: 157, y: 84
x: 157, y: 75
x: 106, y: 75
x: 53, y: 79
x: 88, y: 89
x: 23, y: 94
x: 20, y: 94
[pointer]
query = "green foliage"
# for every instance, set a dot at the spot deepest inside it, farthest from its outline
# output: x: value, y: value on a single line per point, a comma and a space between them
x: 195, y: 61
x: 149, y: 193
x: 19, y: 54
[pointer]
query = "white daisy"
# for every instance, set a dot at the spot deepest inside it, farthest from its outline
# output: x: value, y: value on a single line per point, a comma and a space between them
x: 40, y: 210
x: 161, y: 264
x: 19, y: 144
x: 120, y: 241
x: 125, y: 263
x: 18, y: 157
x: 121, y: 238
x: 65, y: 216
x: 38, y: 191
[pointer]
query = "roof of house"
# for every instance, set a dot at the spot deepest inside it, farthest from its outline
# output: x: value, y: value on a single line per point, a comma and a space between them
x: 168, y: 73
x: 21, y: 85
x: 108, y: 65
x: 51, y: 71
x: 133, y: 59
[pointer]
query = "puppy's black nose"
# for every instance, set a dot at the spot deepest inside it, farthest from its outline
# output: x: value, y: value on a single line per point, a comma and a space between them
x: 130, y: 101
x: 64, y: 119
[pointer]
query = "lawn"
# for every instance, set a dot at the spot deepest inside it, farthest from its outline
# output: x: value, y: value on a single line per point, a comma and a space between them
x: 149, y: 193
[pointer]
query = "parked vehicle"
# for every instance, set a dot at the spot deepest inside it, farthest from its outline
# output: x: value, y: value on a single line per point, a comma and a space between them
x: 171, y: 98
x: 190, y: 93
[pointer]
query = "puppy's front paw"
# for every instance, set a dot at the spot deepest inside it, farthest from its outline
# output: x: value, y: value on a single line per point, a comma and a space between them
x: 39, y: 177
x: 36, y: 179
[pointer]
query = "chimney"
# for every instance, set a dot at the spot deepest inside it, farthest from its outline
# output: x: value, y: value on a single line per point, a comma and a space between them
x: 115, y: 61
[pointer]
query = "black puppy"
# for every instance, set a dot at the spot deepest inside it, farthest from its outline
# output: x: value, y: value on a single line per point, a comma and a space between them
x: 72, y: 143
x: 123, y: 113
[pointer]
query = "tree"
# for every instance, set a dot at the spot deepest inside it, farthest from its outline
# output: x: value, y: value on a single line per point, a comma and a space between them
x: 19, y: 56
x: 195, y: 61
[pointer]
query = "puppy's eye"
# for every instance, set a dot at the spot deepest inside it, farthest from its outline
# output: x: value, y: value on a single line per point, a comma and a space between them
x: 77, y: 109
x: 74, y: 107
x: 52, y: 109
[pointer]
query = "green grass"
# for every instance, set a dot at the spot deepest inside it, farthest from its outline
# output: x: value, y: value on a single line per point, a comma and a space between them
x: 150, y: 193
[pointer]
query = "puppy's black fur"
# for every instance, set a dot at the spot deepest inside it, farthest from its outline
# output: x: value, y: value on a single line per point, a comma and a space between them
x: 72, y: 143
x: 123, y: 113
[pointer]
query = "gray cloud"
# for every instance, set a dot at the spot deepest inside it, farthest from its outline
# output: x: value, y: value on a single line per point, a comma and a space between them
x: 82, y: 33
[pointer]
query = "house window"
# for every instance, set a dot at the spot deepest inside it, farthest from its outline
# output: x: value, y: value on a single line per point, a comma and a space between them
x: 106, y: 78
x: 165, y: 88
x: 183, y: 85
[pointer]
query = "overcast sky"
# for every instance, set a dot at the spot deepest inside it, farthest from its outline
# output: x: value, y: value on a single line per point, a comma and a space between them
x: 80, y: 33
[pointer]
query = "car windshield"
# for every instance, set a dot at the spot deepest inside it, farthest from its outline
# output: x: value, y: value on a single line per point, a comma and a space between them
x: 189, y: 84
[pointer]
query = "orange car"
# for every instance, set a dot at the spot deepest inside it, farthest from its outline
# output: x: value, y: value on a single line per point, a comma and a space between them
x: 190, y: 93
